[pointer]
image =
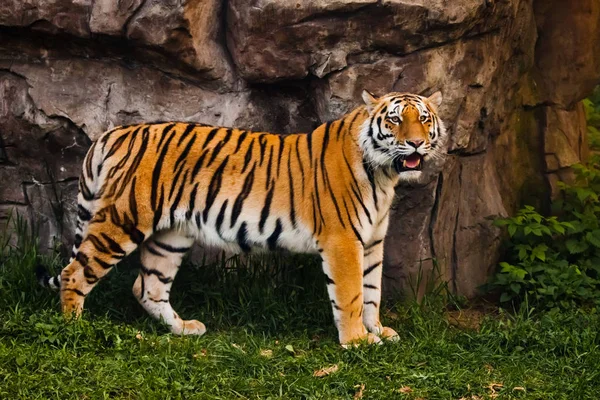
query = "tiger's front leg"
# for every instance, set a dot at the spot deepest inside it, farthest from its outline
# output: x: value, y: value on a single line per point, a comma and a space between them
x: 343, y: 267
x: 373, y: 268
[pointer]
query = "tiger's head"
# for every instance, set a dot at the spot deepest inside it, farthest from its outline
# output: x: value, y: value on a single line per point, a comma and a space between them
x: 403, y: 131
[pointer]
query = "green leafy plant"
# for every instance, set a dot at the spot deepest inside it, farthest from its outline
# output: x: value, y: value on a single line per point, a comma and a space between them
x: 555, y: 261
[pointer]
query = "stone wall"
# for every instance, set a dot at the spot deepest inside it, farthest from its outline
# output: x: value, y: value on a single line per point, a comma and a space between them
x: 512, y: 73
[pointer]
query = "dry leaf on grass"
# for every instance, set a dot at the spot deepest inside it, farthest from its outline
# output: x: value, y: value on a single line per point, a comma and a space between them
x: 405, y: 389
x: 520, y: 388
x: 359, y: 393
x: 266, y: 353
x: 326, y: 371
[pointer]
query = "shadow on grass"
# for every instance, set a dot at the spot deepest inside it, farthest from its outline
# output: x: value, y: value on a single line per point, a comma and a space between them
x: 269, y: 294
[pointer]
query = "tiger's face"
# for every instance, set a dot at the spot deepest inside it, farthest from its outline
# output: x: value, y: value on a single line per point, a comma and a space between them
x: 403, y: 131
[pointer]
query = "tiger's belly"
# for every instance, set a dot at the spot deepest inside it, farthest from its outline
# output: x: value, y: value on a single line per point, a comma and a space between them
x: 250, y: 235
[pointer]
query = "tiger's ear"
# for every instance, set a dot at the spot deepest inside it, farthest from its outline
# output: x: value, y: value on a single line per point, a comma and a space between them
x: 369, y: 99
x: 435, y: 99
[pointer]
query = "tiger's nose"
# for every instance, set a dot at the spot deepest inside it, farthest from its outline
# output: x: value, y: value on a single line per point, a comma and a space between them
x: 415, y: 142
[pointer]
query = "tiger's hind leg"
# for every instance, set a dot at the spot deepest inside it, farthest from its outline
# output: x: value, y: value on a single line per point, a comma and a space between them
x: 161, y: 257
x: 108, y: 240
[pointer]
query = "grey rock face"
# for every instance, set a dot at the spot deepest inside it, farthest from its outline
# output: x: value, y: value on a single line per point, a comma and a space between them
x: 510, y: 76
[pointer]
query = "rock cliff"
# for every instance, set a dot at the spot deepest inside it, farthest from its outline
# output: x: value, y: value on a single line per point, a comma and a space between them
x: 512, y: 73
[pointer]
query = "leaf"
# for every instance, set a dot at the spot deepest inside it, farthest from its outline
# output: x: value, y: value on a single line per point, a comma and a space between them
x: 505, y: 297
x: 576, y: 246
x: 405, y: 389
x: 512, y: 229
x: 290, y: 348
x: 594, y: 237
x: 325, y: 371
x: 515, y: 287
x: 359, y: 392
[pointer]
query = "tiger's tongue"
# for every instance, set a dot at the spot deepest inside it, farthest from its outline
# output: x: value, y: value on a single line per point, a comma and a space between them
x: 412, y: 161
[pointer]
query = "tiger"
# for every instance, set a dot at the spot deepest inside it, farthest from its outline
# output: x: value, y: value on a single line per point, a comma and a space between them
x: 161, y: 187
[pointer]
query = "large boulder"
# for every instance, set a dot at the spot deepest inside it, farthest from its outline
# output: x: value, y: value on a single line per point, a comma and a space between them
x: 512, y: 73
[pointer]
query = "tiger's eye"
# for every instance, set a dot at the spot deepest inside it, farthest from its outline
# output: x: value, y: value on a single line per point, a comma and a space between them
x: 395, y: 120
x: 423, y: 118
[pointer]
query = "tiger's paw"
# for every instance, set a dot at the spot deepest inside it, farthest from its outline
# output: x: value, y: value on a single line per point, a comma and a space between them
x: 389, y: 334
x: 190, y: 327
x: 368, y: 338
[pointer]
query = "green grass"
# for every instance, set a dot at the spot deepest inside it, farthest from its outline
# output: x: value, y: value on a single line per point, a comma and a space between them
x: 269, y: 329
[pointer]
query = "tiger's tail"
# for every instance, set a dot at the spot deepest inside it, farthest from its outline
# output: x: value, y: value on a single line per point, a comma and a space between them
x: 45, y: 279
x: 86, y: 202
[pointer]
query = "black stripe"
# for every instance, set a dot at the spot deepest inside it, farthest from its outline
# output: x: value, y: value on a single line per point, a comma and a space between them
x: 209, y: 137
x: 264, y: 214
x: 355, y: 298
x: 198, y: 165
x: 97, y: 243
x: 371, y: 268
x: 170, y: 248
x: 242, y: 238
x: 151, y: 271
x: 352, y: 225
x: 173, y: 181
x: 84, y: 190
x: 335, y: 305
x: 371, y: 303
x: 133, y: 201
x: 132, y: 169
x: 239, y: 142
x: 299, y: 161
x: 262, y: 141
x: 214, y: 187
x: 328, y: 280
x: 280, y: 153
x: 335, y: 203
x: 83, y: 213
x: 185, y: 133
x: 357, y: 186
x: 152, y: 250
x: 192, y: 203
x: 76, y: 291
x: 291, y: 183
x: 371, y: 177
x: 248, y: 156
x: 89, y: 275
x: 272, y: 240
x: 184, y: 153
x: 219, y: 147
x: 166, y: 130
x: 375, y: 243
x: 367, y: 286
x: 102, y: 264
x: 239, y: 201
x: 157, y: 170
x: 158, y: 210
x: 324, y: 145
x: 178, y: 197
x: 115, y: 146
x: 309, y: 144
x: 112, y: 245
x: 77, y: 241
x: 269, y: 166
x: 221, y: 217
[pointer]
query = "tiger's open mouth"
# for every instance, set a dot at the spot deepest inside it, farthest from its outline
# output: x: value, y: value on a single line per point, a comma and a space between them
x: 413, y: 162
